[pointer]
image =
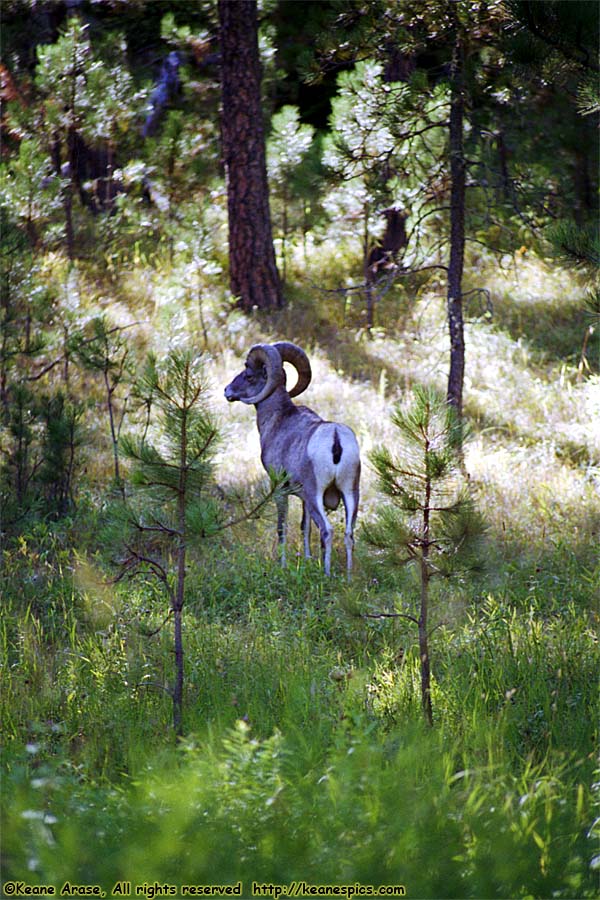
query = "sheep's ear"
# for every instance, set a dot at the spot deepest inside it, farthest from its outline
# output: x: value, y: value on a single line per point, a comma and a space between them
x: 266, y: 356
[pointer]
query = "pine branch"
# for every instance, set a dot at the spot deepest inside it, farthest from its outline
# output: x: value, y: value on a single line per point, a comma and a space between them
x: 388, y: 615
x: 158, y: 528
x: 67, y: 353
x: 252, y: 513
x: 137, y: 559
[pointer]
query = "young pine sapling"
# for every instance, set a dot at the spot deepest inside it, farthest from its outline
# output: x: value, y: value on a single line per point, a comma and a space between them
x: 430, y: 522
x: 62, y: 438
x: 171, y: 504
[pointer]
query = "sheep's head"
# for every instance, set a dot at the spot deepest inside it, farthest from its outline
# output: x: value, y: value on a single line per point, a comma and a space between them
x: 264, y: 372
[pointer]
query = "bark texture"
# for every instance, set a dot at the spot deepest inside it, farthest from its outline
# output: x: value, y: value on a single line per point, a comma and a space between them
x: 254, y: 279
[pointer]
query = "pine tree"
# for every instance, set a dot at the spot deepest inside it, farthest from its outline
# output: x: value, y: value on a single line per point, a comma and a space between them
x: 28, y: 192
x: 430, y: 523
x: 173, y: 503
x: 359, y: 153
x: 19, y: 455
x: 63, y: 436
x: 23, y: 308
x: 88, y: 105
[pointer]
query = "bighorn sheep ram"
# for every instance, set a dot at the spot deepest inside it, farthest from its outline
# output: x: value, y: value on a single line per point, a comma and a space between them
x: 321, y: 459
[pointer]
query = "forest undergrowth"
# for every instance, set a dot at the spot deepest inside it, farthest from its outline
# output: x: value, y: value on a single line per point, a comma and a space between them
x: 305, y: 758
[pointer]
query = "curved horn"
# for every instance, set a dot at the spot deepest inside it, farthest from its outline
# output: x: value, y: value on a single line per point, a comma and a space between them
x: 268, y: 356
x: 297, y: 357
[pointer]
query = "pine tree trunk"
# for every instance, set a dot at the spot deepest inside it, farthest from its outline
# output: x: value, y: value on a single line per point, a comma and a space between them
x: 66, y: 196
x: 5, y: 320
x: 178, y: 687
x: 113, y: 430
x: 254, y: 279
x: 457, y: 233
x: 177, y: 607
x: 69, y: 230
x: 425, y: 577
x: 424, y: 645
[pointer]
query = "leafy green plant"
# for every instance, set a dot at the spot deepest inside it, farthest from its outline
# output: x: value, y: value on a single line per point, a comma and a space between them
x: 368, y: 809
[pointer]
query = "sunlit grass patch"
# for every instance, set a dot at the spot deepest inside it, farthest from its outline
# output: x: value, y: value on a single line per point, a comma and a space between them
x: 532, y: 499
x: 544, y: 305
x: 505, y: 390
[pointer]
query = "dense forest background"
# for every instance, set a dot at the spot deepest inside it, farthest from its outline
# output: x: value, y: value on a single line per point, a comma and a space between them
x: 409, y: 191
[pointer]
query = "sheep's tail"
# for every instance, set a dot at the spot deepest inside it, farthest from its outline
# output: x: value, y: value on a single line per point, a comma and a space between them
x: 336, y: 449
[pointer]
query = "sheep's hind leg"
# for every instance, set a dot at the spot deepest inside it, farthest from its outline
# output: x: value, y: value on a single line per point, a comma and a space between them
x: 351, y: 507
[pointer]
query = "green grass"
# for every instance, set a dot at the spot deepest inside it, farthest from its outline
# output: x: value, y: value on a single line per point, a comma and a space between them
x: 306, y: 758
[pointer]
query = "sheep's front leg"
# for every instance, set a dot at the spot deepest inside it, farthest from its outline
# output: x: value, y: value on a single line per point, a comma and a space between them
x: 282, y: 511
x: 306, y: 529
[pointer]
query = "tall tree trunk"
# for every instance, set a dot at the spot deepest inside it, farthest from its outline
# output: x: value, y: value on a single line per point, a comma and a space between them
x: 66, y: 195
x: 114, y: 431
x: 506, y: 191
x: 67, y: 198
x: 457, y: 231
x: 254, y: 279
